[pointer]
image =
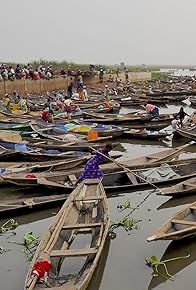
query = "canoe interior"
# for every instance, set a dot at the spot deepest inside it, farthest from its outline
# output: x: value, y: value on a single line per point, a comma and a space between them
x: 189, y: 215
x: 76, y: 234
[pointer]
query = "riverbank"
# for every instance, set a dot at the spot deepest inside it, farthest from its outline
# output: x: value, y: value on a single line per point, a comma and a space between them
x: 40, y: 86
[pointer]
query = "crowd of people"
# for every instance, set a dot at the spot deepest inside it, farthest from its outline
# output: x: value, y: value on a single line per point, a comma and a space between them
x: 8, y: 72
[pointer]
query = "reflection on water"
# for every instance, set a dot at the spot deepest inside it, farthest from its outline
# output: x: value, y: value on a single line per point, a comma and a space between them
x: 175, y: 249
x: 97, y: 277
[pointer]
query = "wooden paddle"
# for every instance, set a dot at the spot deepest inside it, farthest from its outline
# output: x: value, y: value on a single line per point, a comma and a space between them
x: 130, y: 173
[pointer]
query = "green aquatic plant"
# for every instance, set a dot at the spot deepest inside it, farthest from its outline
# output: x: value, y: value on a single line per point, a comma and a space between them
x: 123, y: 206
x: 11, y: 224
x: 30, y: 245
x: 30, y: 239
x: 154, y: 262
x: 126, y: 223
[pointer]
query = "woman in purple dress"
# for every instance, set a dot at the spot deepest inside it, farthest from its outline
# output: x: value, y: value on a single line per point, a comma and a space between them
x: 91, y: 169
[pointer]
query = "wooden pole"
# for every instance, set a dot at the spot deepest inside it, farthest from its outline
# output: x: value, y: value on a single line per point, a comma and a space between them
x: 125, y: 168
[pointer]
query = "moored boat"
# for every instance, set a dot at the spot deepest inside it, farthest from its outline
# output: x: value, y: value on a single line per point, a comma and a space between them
x: 181, y: 225
x: 145, y: 134
x: 85, y: 211
x: 186, y: 187
x: 30, y: 204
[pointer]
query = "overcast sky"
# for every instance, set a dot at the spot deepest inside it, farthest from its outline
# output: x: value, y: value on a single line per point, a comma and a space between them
x: 102, y: 31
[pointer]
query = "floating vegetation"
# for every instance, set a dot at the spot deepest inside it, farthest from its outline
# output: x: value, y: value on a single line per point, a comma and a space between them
x: 9, y: 225
x: 123, y: 206
x: 127, y: 223
x: 30, y: 245
x: 154, y: 262
x: 3, y: 250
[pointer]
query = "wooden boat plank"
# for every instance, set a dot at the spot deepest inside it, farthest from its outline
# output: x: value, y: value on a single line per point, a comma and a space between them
x: 72, y: 178
x: 187, y: 183
x: 184, y: 222
x: 132, y: 177
x: 44, y: 181
x: 88, y: 198
x: 73, y: 252
x: 80, y: 226
x: 193, y: 207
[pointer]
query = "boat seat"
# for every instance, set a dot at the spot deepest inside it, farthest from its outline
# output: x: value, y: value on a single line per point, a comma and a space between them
x: 73, y: 253
x: 88, y: 198
x: 184, y: 222
x: 29, y: 201
x: 193, y: 207
x: 80, y: 226
x: 189, y: 184
x: 72, y: 178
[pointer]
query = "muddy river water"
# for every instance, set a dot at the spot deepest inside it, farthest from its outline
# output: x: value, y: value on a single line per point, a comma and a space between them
x: 122, y: 265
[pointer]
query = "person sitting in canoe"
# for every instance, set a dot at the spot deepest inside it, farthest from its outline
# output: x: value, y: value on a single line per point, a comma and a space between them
x: 47, y: 116
x: 91, y: 169
x: 152, y: 110
x: 68, y: 107
x: 181, y: 114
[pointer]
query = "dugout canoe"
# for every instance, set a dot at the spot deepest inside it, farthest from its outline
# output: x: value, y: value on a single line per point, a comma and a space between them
x: 113, y: 180
x: 145, y: 134
x: 172, y: 93
x: 102, y: 129
x: 84, y: 211
x: 181, y: 225
x: 163, y: 156
x: 51, y: 165
x: 50, y: 144
x: 36, y: 155
x: 30, y: 204
x: 57, y: 132
x: 129, y: 119
x: 186, y: 187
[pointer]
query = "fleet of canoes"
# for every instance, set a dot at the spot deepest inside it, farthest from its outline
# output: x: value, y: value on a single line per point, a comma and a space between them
x: 52, y: 156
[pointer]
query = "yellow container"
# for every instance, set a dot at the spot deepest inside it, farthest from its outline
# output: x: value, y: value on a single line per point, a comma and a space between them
x: 92, y: 135
x: 15, y: 107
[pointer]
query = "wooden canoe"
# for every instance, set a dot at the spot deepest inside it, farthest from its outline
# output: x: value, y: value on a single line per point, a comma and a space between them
x: 186, y: 187
x: 56, y: 165
x: 172, y: 93
x: 145, y: 134
x: 56, y: 132
x: 36, y: 155
x: 129, y: 119
x: 181, y: 225
x: 84, y: 212
x: 101, y: 129
x: 162, y: 156
x: 113, y: 180
x: 30, y: 204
